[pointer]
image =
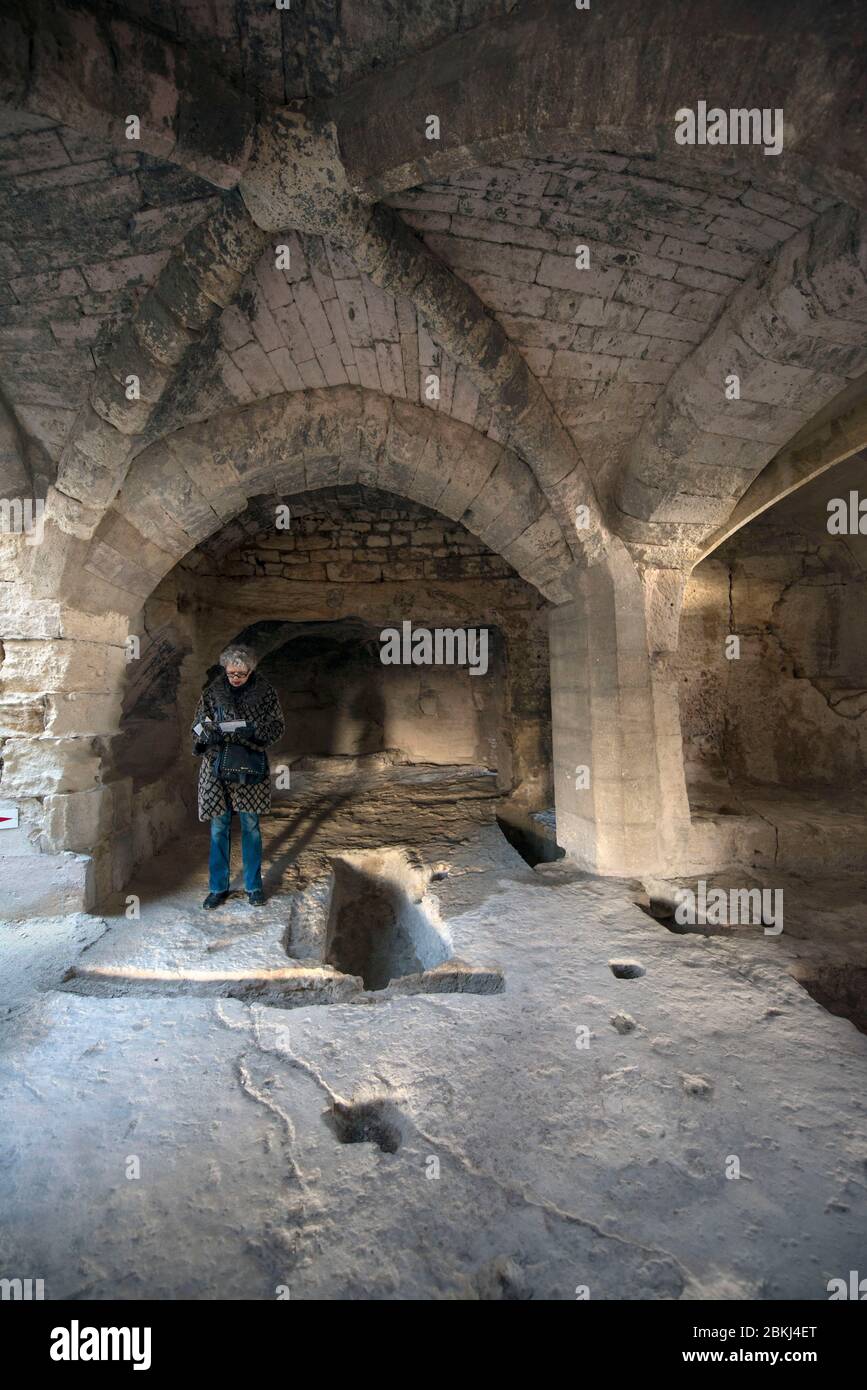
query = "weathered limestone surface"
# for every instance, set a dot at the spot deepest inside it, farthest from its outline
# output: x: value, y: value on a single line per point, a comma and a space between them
x: 15, y: 469
x: 720, y: 1009
x: 485, y: 372
x: 795, y: 337
x: 69, y: 65
x: 200, y: 278
x: 816, y: 448
x: 531, y: 78
x: 557, y: 387
x: 312, y: 193
x: 61, y: 883
x: 791, y: 709
x: 618, y: 768
x: 181, y: 490
x: 61, y: 666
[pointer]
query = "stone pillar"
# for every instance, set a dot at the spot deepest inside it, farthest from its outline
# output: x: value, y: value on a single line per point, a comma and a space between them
x: 663, y: 599
x: 619, y: 785
x: 61, y: 676
x: 65, y: 609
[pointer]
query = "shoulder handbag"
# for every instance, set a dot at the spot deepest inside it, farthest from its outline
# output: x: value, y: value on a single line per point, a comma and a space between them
x: 238, y: 764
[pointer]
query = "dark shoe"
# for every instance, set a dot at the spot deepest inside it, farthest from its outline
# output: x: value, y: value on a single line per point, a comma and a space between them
x: 256, y: 898
x: 215, y: 900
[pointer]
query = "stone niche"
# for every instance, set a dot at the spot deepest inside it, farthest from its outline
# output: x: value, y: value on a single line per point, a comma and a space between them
x: 340, y: 700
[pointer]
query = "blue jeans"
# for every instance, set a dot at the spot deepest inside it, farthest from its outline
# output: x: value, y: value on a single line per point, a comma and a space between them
x: 221, y: 849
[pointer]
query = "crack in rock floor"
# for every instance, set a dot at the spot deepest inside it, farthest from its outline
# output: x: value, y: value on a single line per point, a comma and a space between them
x: 517, y: 1145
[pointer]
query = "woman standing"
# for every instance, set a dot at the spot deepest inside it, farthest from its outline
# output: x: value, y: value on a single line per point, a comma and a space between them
x: 237, y: 718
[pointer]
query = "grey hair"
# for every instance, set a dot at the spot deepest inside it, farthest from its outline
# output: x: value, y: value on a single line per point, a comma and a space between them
x: 238, y: 656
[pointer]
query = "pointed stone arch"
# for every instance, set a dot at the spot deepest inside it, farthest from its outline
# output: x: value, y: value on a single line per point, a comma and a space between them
x: 535, y: 80
x: 793, y: 334
x: 188, y: 484
x: 835, y: 435
x: 64, y: 642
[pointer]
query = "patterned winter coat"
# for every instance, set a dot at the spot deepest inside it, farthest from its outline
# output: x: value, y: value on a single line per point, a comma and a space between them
x: 256, y: 701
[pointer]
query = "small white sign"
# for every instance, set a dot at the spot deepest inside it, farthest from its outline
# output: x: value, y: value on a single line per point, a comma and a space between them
x: 8, y: 817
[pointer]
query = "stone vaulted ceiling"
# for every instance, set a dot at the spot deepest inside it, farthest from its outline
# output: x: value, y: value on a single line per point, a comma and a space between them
x: 84, y: 230
x: 604, y: 345
x: 312, y: 48
x: 605, y: 382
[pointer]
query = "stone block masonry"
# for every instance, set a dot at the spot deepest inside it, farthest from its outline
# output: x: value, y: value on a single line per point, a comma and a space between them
x: 336, y: 538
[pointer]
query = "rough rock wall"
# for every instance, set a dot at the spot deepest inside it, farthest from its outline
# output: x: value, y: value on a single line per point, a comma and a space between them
x: 792, y: 708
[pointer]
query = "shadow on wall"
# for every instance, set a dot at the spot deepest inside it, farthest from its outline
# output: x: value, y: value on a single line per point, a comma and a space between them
x: 332, y: 692
x: 339, y: 699
x: 150, y: 740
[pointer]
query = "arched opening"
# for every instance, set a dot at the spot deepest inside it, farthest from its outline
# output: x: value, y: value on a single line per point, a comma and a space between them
x: 312, y: 583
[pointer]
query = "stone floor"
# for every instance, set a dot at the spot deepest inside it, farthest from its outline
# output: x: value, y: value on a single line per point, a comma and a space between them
x: 808, y: 830
x: 571, y: 1131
